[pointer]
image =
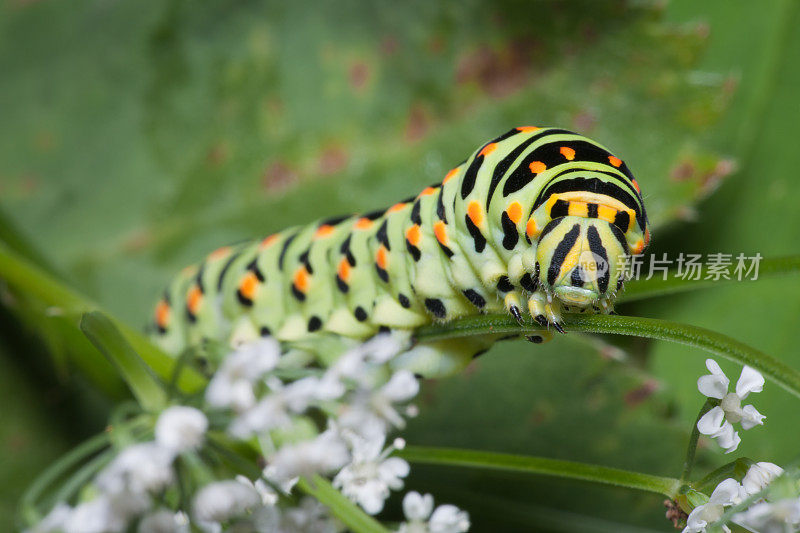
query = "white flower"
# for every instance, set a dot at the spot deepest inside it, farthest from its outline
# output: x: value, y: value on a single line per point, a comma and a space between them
x: 275, y: 409
x: 55, y: 520
x: 758, y: 476
x: 725, y: 494
x: 372, y: 412
x: 222, y: 500
x: 383, y: 347
x: 267, y: 493
x: 140, y: 468
x: 309, y: 517
x: 232, y: 385
x: 164, y: 521
x: 94, y: 516
x: 771, y: 517
x: 378, y: 350
x: 718, y: 422
x: 181, y: 428
x: 419, y: 519
x: 323, y: 454
x: 369, y: 477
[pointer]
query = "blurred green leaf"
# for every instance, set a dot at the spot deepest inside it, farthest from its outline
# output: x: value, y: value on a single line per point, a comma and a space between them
x: 145, y: 386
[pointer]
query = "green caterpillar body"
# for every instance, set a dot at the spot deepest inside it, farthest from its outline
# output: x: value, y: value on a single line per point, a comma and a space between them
x: 539, y: 219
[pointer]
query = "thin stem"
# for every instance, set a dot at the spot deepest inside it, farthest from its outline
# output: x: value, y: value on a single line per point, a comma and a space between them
x: 57, y: 470
x: 351, y: 515
x: 653, y: 328
x: 543, y: 466
x: 691, y: 449
x: 672, y: 283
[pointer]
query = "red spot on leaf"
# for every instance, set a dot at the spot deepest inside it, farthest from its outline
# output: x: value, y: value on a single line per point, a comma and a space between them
x: 418, y: 124
x: 332, y: 160
x: 641, y: 393
x: 278, y: 176
x: 359, y: 76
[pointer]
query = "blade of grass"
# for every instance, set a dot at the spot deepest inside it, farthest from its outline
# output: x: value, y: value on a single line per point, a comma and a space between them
x: 542, y: 466
x: 351, y: 515
x: 640, y: 289
x: 702, y: 338
x: 145, y: 386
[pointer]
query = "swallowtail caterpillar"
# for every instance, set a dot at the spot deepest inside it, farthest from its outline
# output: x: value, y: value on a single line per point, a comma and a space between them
x: 537, y: 221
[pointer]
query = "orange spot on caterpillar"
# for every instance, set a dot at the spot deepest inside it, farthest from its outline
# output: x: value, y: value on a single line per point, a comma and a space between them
x: 324, y: 230
x: 537, y: 167
x: 450, y: 175
x: 381, y: 258
x: 638, y: 247
x: 301, y: 279
x: 344, y: 270
x: 528, y: 129
x: 488, y: 149
x: 219, y: 253
x: 414, y: 235
x: 530, y: 229
x: 193, y: 299
x: 397, y: 207
x: 162, y: 314
x: 567, y: 152
x: 363, y: 223
x: 636, y: 186
x: 427, y: 191
x: 616, y: 161
x: 248, y: 285
x: 647, y: 237
x: 514, y: 212
x: 440, y: 230
x: 475, y: 213
x: 269, y: 241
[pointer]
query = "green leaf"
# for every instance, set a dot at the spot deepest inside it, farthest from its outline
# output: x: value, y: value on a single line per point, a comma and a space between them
x: 349, y: 513
x: 542, y: 466
x: 26, y: 277
x: 145, y: 386
x: 653, y: 328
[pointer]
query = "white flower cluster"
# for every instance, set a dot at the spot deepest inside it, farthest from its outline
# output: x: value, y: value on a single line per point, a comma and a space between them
x: 359, y: 395
x: 718, y: 422
x: 763, y: 516
x: 127, y: 485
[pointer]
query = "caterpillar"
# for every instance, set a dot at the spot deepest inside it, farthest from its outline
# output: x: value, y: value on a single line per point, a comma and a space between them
x: 537, y: 221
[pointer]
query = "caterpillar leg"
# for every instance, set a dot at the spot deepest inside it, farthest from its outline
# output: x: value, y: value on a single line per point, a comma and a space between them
x: 545, y: 311
x: 513, y: 303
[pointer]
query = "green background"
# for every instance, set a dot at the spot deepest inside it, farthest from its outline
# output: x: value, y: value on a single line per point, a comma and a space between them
x: 136, y: 136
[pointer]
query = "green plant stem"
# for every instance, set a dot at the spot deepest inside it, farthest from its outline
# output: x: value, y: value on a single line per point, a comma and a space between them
x: 27, y: 277
x: 653, y: 328
x: 351, y: 515
x: 55, y: 471
x: 540, y: 465
x: 673, y: 284
x: 691, y: 449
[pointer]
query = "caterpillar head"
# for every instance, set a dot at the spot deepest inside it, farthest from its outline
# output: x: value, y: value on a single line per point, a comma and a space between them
x: 581, y: 261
